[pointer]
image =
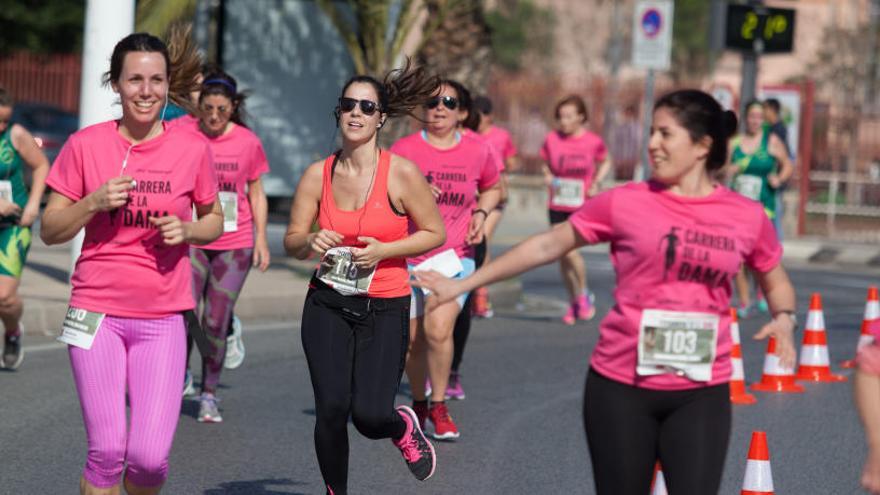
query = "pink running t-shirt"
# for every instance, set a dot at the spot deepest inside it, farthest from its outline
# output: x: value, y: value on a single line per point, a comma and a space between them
x: 500, y: 140
x: 125, y: 269
x: 672, y: 253
x: 460, y: 172
x: 238, y: 159
x: 572, y: 158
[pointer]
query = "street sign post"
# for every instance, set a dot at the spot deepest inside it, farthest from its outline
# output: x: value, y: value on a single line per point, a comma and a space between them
x: 652, y: 50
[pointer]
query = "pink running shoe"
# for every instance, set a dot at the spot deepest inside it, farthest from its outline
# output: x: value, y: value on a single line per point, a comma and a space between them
x: 585, y: 308
x: 454, y: 390
x: 570, y: 316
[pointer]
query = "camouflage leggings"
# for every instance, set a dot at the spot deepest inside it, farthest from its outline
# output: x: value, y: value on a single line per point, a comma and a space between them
x: 218, y: 277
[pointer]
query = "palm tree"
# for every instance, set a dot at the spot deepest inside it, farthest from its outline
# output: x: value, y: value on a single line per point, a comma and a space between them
x: 460, y: 46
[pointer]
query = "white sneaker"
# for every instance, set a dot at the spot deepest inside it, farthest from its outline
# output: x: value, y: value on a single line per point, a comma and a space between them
x: 188, y: 389
x: 208, y: 410
x: 234, y: 346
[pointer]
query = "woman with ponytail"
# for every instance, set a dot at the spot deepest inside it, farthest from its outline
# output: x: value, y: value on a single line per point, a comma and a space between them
x: 374, y: 209
x: 658, y: 380
x: 221, y: 267
x: 133, y: 185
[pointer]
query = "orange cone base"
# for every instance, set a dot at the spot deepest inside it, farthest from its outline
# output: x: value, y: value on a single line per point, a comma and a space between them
x: 738, y: 394
x: 848, y: 364
x: 778, y: 384
x: 743, y: 400
x: 818, y: 374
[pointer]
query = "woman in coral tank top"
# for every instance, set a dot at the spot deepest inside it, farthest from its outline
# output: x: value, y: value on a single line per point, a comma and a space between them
x: 355, y: 323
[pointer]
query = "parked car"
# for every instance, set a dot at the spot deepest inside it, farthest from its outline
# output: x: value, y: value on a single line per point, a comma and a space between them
x: 49, y: 124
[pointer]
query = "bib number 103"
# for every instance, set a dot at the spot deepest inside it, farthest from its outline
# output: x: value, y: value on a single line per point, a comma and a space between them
x: 679, y: 341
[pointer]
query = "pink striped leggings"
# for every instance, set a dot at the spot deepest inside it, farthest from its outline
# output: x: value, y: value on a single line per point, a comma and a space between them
x: 146, y: 357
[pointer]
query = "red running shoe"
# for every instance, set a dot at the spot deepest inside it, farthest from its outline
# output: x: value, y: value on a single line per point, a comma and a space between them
x: 421, y: 411
x: 444, y: 428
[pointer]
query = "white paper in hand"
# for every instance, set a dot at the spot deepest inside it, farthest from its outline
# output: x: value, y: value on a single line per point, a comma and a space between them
x: 446, y: 263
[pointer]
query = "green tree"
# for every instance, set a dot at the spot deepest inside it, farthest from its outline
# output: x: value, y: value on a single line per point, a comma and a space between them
x: 517, y: 28
x: 156, y: 16
x: 41, y: 26
x: 690, y: 39
x: 460, y: 46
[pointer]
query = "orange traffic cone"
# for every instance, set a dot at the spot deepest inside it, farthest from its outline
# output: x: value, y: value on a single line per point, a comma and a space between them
x: 814, y: 364
x: 775, y: 377
x: 658, y: 483
x: 870, y: 324
x: 758, y: 479
x: 738, y: 394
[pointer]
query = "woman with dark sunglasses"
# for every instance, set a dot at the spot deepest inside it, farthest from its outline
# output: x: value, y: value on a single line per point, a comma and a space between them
x: 374, y: 210
x: 460, y: 167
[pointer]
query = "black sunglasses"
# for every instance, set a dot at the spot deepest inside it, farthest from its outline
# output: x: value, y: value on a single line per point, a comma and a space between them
x: 367, y: 107
x: 449, y: 102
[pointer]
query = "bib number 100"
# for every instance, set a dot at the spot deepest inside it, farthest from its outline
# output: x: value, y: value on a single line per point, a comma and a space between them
x: 679, y: 341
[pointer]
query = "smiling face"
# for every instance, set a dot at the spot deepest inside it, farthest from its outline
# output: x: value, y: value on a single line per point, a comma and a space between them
x: 673, y: 154
x: 441, y: 119
x: 142, y: 87
x: 570, y: 120
x: 355, y: 125
x: 216, y: 111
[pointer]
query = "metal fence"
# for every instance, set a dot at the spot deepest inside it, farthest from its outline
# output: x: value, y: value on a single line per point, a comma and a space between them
x: 53, y: 79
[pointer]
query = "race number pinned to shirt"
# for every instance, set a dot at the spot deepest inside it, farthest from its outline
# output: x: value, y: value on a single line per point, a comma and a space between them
x: 338, y: 270
x: 568, y: 193
x: 80, y: 327
x: 446, y: 263
x: 6, y: 190
x: 229, y: 203
x: 749, y: 186
x: 679, y: 342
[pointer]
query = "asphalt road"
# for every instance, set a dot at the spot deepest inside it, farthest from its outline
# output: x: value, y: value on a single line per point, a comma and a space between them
x: 521, y: 424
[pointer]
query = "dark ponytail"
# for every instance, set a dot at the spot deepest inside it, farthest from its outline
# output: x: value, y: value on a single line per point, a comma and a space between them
x: 218, y: 82
x: 702, y: 116
x: 402, y: 90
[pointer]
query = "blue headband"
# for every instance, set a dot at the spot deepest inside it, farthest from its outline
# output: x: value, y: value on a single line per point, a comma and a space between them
x: 220, y: 81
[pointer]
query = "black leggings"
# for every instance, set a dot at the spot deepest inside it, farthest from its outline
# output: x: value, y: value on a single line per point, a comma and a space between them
x: 356, y: 350
x: 463, y: 323
x: 629, y: 428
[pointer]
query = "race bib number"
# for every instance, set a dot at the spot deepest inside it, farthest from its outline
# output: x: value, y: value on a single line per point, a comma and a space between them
x: 338, y: 270
x: 229, y: 203
x: 80, y: 327
x: 6, y: 190
x: 678, y: 342
x: 749, y: 186
x: 567, y: 192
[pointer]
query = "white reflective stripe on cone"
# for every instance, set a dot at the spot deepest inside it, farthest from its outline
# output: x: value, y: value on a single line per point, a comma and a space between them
x: 814, y: 355
x: 659, y: 485
x: 872, y: 310
x: 758, y: 476
x: 734, y: 333
x: 737, y: 373
x: 815, y: 320
x: 865, y: 340
x: 772, y: 367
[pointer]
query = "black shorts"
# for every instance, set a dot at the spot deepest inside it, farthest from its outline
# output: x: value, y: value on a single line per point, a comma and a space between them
x: 558, y: 216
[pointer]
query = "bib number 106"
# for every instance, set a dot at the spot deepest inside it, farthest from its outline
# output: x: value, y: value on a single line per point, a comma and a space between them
x: 679, y: 341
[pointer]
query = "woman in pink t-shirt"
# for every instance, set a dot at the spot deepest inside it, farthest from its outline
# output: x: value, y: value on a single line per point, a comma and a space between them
x: 221, y: 267
x: 575, y: 163
x: 658, y: 379
x: 130, y: 183
x: 463, y: 172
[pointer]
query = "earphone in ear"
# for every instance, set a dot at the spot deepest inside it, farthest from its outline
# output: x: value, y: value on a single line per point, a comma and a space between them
x: 336, y: 115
